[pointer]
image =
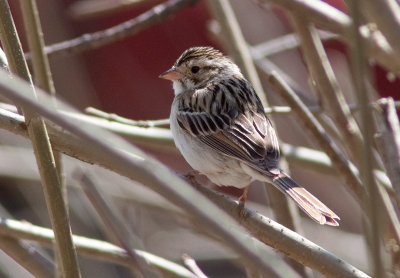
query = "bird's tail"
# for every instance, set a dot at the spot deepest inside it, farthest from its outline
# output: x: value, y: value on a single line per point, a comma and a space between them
x: 305, y: 200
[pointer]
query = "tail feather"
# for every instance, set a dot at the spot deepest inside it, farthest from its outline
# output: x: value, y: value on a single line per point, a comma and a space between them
x: 305, y: 200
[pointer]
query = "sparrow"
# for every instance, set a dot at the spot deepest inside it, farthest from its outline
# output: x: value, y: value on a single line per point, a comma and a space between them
x: 219, y: 126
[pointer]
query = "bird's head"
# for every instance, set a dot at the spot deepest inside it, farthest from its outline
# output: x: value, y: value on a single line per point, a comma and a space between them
x: 197, y: 66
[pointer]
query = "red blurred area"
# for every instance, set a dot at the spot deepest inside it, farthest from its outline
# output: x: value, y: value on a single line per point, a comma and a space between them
x: 125, y: 74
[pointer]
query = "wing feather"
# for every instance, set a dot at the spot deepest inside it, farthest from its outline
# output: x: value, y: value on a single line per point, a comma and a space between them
x: 229, y: 118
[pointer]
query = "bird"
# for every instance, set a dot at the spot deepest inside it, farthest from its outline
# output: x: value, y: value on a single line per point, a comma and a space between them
x: 219, y: 126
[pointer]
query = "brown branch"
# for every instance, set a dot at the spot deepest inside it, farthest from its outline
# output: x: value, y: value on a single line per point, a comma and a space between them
x: 112, y: 117
x: 285, y: 240
x: 386, y: 14
x: 113, y: 222
x: 331, y: 19
x: 42, y: 148
x: 331, y: 95
x: 310, y: 122
x: 389, y: 141
x: 150, y: 137
x: 133, y: 163
x: 236, y: 43
x: 365, y: 149
x: 96, y: 249
x: 27, y: 257
x: 285, y: 212
x: 283, y: 43
x: 118, y: 32
x: 43, y: 79
x: 87, y: 9
x: 192, y: 265
x: 333, y: 99
x: 116, y: 118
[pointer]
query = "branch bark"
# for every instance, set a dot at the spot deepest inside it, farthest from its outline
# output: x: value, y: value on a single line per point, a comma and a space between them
x: 96, y: 249
x: 285, y: 212
x: 372, y: 227
x: 331, y: 19
x: 389, y: 141
x: 26, y: 257
x: 134, y: 164
x: 118, y: 32
x: 42, y: 148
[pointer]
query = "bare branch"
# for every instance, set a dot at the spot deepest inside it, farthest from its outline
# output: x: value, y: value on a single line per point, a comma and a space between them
x: 285, y: 213
x: 309, y: 121
x: 365, y: 147
x: 389, y: 141
x: 331, y: 19
x: 27, y: 257
x: 42, y: 148
x: 96, y: 249
x: 386, y: 14
x: 75, y: 147
x: 114, y: 223
x: 43, y: 79
x: 133, y: 163
x: 192, y: 265
x: 118, y: 32
x: 331, y: 95
x: 87, y: 9
x: 281, y: 238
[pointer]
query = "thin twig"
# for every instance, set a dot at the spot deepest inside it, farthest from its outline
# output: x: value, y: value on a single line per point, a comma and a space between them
x: 285, y: 213
x: 112, y: 220
x: 281, y: 238
x: 319, y: 12
x: 386, y: 14
x: 236, y: 43
x: 133, y: 163
x: 365, y: 148
x: 93, y: 248
x: 335, y: 21
x: 27, y: 257
x: 43, y: 79
x: 388, y: 127
x: 333, y: 99
x: 116, y: 118
x: 118, y: 32
x: 75, y: 147
x: 282, y: 44
x: 331, y: 95
x: 192, y: 265
x: 42, y: 148
x: 311, y: 123
x: 87, y: 9
x: 155, y: 137
x: 278, y: 242
x: 112, y: 117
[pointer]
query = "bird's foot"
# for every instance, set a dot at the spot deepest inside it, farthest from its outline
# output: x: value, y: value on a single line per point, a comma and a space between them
x: 190, y: 176
x: 242, y: 201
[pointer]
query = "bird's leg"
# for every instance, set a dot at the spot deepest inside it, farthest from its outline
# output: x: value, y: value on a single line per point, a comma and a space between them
x: 190, y: 176
x: 242, y: 200
x: 243, y: 197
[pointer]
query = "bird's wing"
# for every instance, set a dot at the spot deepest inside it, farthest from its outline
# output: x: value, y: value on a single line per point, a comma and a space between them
x: 228, y: 116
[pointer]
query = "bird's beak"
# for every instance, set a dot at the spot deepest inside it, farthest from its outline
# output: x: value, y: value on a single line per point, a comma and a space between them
x: 171, y: 74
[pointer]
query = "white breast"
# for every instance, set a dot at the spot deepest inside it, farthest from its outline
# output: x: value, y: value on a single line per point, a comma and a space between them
x: 220, y: 169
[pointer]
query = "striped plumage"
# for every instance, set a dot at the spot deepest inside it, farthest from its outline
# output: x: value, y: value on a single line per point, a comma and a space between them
x: 219, y: 126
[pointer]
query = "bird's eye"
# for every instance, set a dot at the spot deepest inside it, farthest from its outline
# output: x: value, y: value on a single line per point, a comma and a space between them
x: 195, y: 69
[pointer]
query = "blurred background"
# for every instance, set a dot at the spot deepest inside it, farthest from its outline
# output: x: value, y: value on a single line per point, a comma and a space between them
x: 122, y: 78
